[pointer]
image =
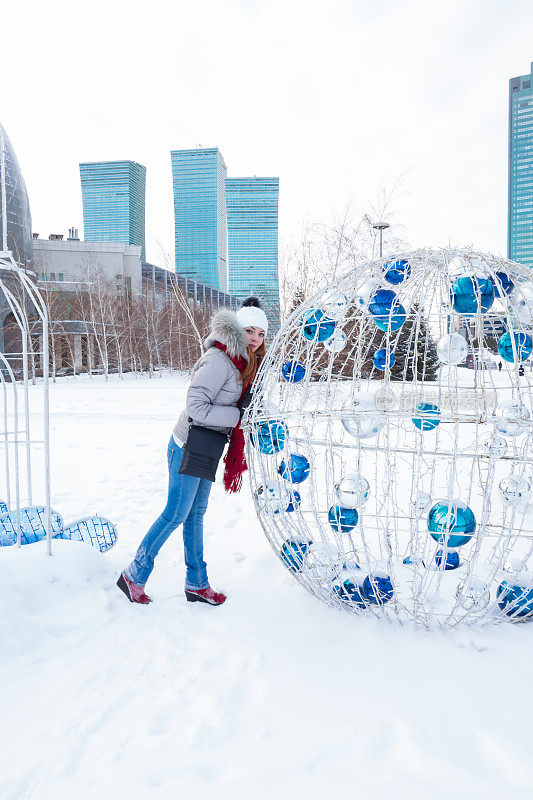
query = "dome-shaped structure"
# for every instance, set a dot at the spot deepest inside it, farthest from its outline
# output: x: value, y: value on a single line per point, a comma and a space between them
x: 390, y: 440
x: 18, y: 217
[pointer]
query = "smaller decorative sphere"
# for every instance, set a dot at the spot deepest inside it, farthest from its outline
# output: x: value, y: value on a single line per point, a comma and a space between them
x: 522, y: 302
x: 388, y: 314
x: 293, y: 371
x: 495, y: 446
x: 321, y: 564
x: 293, y: 553
x: 272, y: 497
x: 296, y: 469
x: 335, y: 305
x: 383, y: 359
x: 472, y: 295
x: 396, y: 272
x: 510, y: 419
x: 413, y: 561
x: 363, y: 426
x: 295, y: 501
x: 522, y: 346
x: 364, y: 294
x: 420, y: 503
x: 317, y: 326
x: 342, y: 519
x: 503, y: 284
x: 337, y: 342
x: 450, y: 561
x: 352, y: 490
x: 451, y: 523
x: 377, y: 588
x: 429, y: 417
x: 515, y: 491
x: 351, y: 592
x: 473, y: 594
x: 452, y: 348
x: 515, y: 599
x: 269, y: 436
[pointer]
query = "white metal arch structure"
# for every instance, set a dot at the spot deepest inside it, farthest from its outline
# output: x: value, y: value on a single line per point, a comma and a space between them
x: 21, y: 297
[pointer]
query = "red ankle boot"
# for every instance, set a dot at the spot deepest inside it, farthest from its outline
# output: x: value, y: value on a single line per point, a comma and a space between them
x: 135, y: 594
x: 205, y: 596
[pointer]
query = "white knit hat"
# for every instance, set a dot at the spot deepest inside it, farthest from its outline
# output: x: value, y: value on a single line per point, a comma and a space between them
x: 251, y: 315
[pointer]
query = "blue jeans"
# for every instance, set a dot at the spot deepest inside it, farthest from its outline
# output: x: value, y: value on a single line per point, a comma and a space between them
x: 187, y: 504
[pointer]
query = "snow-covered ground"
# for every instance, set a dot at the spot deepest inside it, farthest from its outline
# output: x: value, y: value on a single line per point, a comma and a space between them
x: 271, y: 695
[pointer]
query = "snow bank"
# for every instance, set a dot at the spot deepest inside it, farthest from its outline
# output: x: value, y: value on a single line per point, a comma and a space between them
x: 272, y: 694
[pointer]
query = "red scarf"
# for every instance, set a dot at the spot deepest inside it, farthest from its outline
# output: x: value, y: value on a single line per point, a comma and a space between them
x: 235, y: 460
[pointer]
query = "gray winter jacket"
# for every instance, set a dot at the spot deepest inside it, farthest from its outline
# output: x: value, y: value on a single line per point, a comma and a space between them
x: 215, y: 385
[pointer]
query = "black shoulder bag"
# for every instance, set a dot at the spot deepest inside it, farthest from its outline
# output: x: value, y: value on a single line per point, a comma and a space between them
x: 202, y: 452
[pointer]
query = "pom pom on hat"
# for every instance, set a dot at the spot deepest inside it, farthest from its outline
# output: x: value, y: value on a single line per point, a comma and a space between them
x: 251, y: 315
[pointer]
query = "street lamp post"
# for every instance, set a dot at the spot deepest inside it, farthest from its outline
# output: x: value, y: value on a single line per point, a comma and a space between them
x: 381, y: 226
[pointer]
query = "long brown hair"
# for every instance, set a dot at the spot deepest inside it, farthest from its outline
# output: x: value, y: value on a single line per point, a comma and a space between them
x: 254, y: 361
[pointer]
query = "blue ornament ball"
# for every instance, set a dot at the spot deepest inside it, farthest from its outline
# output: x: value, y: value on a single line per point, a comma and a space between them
x: 386, y: 310
x: 503, y: 285
x: 293, y: 553
x: 317, y: 326
x: 429, y: 417
x: 377, y: 588
x: 382, y: 359
x: 450, y: 561
x: 269, y: 436
x: 294, y: 501
x: 296, y: 469
x: 522, y: 343
x: 342, y: 519
x: 351, y: 592
x: 293, y: 371
x: 515, y: 600
x: 396, y: 272
x: 451, y: 523
x: 472, y: 295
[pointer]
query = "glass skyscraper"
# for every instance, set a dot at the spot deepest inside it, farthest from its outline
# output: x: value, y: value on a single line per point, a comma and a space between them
x: 198, y: 179
x: 520, y: 217
x: 113, y: 194
x: 252, y: 205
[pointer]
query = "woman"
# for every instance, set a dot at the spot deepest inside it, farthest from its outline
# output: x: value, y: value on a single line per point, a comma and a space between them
x: 217, y: 396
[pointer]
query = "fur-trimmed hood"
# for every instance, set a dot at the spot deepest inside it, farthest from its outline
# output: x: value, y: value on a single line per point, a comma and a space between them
x: 225, y: 328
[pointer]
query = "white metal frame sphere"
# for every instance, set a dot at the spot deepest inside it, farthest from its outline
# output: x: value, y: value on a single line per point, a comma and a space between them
x: 419, y: 430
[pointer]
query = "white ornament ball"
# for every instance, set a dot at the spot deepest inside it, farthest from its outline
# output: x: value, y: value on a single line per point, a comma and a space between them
x: 522, y: 302
x: 336, y: 342
x: 495, y: 446
x: 352, y: 490
x: 452, y: 348
x: 510, y: 419
x: 335, y: 305
x: 272, y: 497
x: 515, y: 491
x: 420, y: 504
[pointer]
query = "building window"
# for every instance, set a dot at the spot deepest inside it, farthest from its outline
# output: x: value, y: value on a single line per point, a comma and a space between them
x: 526, y: 85
x: 52, y: 276
x: 60, y: 276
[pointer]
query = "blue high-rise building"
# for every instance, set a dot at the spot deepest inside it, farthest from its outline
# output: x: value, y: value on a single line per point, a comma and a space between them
x: 520, y: 216
x: 113, y: 194
x: 252, y: 206
x: 198, y: 179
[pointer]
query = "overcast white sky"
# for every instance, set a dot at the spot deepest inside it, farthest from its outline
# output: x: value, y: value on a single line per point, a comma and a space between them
x: 336, y: 98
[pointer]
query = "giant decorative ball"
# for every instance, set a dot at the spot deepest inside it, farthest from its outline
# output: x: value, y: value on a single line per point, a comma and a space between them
x: 381, y: 446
